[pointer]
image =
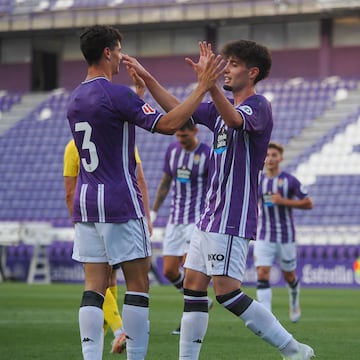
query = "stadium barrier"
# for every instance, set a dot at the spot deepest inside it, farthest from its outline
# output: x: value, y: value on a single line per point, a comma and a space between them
x: 36, y: 252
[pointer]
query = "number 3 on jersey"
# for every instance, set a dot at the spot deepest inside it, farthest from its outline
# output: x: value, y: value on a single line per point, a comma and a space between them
x: 88, y: 145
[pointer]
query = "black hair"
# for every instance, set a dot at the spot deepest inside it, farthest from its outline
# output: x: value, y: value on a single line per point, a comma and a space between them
x: 189, y: 125
x: 253, y: 54
x: 95, y: 39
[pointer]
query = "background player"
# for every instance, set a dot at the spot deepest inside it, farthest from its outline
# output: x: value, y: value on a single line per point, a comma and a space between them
x: 279, y: 192
x: 186, y: 169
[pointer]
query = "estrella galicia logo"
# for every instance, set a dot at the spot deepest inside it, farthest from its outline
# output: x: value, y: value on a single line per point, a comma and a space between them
x: 246, y: 109
x: 183, y: 174
x: 221, y: 141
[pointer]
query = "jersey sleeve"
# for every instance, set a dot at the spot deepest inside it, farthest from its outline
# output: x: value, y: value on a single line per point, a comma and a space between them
x: 167, y: 167
x: 133, y: 109
x: 256, y: 112
x: 206, y: 114
x: 300, y: 191
x: 71, y: 160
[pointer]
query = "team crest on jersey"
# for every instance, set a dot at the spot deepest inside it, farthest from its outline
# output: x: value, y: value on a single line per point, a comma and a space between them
x: 196, y: 159
x: 246, y: 109
x: 147, y: 109
x: 280, y: 182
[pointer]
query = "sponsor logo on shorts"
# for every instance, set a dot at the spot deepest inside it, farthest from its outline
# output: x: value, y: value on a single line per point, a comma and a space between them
x: 216, y: 257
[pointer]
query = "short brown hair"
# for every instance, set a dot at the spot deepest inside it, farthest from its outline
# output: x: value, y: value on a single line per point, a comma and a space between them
x: 276, y: 146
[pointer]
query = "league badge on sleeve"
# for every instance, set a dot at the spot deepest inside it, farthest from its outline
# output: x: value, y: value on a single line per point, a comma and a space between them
x: 147, y: 109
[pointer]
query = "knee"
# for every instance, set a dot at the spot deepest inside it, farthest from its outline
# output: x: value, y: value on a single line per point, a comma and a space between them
x: 263, y: 273
x: 171, y: 274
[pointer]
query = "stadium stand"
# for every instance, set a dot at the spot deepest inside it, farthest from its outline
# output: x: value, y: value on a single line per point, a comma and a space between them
x: 31, y: 163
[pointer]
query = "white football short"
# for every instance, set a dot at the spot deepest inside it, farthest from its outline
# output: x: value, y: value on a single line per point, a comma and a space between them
x: 111, y: 243
x: 177, y: 239
x: 217, y: 254
x: 266, y: 252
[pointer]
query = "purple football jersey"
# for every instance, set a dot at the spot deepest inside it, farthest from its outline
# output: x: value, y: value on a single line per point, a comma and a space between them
x: 189, y: 171
x: 102, y: 118
x: 236, y: 161
x: 276, y: 222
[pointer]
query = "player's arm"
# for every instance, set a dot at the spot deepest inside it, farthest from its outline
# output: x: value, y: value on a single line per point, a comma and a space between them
x: 161, y: 194
x: 211, y: 68
x: 231, y: 117
x: 304, y: 204
x: 145, y: 193
x: 70, y: 185
x: 70, y: 173
x: 136, y: 71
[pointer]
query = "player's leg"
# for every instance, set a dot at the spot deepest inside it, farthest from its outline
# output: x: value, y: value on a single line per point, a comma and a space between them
x: 228, y: 293
x: 129, y: 245
x: 173, y: 254
x: 195, y: 317
x: 112, y: 316
x: 264, y: 255
x: 135, y: 312
x: 172, y: 270
x: 288, y: 265
x: 263, y: 288
x: 89, y: 249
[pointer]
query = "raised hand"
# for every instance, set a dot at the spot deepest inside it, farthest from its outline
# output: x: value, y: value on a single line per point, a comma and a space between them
x: 132, y: 63
x: 209, y: 66
x: 205, y: 51
x: 137, y: 81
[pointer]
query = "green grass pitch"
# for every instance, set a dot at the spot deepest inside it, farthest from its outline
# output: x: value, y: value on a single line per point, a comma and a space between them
x: 40, y: 322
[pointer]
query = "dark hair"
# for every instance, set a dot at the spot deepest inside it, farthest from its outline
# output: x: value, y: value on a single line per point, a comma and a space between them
x: 276, y: 146
x: 253, y: 54
x: 95, y: 39
x: 189, y: 125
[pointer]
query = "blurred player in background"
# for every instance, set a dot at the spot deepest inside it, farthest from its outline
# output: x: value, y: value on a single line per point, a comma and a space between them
x: 219, y: 246
x: 112, y: 317
x: 279, y: 192
x: 185, y: 170
x: 108, y: 211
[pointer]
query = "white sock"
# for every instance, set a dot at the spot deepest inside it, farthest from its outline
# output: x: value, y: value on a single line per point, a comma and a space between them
x: 264, y: 324
x: 193, y: 329
x: 264, y: 296
x: 136, y: 326
x: 91, y: 320
x: 291, y: 348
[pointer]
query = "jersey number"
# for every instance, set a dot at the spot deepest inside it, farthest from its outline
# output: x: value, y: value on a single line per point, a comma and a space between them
x: 88, y: 145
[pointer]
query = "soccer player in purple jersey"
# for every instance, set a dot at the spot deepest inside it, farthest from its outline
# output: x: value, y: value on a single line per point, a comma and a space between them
x: 185, y: 171
x: 219, y: 246
x: 108, y: 211
x: 279, y: 192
